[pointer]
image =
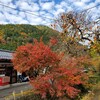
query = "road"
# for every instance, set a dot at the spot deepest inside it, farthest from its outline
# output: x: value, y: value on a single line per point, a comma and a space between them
x: 16, y: 89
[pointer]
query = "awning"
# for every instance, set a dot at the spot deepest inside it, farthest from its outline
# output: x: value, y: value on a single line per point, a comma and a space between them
x: 6, y: 54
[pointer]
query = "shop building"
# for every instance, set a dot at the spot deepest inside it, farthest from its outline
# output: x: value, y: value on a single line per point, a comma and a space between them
x: 7, y: 73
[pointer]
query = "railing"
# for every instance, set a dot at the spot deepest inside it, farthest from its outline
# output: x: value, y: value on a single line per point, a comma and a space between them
x: 14, y: 95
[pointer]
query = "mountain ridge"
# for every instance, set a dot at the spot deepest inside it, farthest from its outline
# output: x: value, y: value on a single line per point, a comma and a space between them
x: 14, y: 35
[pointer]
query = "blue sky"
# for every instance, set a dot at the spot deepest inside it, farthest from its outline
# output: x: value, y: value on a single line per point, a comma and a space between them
x: 41, y: 9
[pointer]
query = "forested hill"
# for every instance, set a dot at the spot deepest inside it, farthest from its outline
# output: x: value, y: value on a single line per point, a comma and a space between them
x: 12, y: 36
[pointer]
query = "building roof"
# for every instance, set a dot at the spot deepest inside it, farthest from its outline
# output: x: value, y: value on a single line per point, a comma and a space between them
x: 5, y: 54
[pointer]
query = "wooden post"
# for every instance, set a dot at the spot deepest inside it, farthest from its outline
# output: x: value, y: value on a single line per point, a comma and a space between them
x: 14, y: 96
x: 22, y: 93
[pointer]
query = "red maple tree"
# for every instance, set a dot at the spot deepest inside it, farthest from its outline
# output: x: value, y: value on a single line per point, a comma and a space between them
x: 49, y: 72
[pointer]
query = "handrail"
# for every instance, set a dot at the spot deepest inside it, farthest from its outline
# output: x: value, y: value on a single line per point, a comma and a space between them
x: 16, y: 95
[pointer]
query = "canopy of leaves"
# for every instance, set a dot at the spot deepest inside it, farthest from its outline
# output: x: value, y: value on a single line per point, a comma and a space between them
x: 34, y: 57
x: 78, y: 26
x: 50, y: 72
x: 78, y: 29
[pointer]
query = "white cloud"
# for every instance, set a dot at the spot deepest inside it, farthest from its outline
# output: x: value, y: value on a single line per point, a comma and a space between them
x: 47, y: 5
x: 13, y: 18
x: 46, y: 8
x: 85, y: 1
x: 79, y: 3
x: 35, y: 7
x: 45, y: 0
x: 2, y: 17
x: 3, y: 22
x: 9, y: 10
x: 63, y: 7
x: 24, y: 5
x: 35, y: 21
x: 58, y: 12
x: 6, y: 1
x: 62, y: 4
x: 42, y: 12
x: 22, y: 14
x: 97, y: 1
x: 23, y: 22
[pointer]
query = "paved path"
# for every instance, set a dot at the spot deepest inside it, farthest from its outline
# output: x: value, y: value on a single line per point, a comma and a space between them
x: 15, y: 88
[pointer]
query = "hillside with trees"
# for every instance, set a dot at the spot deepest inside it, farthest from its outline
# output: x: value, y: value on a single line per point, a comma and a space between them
x: 12, y: 36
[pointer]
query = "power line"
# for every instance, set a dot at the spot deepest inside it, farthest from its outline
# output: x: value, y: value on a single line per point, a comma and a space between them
x: 90, y: 8
x: 96, y: 21
x: 28, y: 12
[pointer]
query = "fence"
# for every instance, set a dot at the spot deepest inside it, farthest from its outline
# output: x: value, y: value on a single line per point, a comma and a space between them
x: 14, y: 95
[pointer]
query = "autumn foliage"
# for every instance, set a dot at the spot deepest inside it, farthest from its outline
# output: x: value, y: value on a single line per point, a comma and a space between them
x: 53, y: 41
x: 61, y: 80
x: 51, y: 73
x: 37, y: 56
x: 60, y: 73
